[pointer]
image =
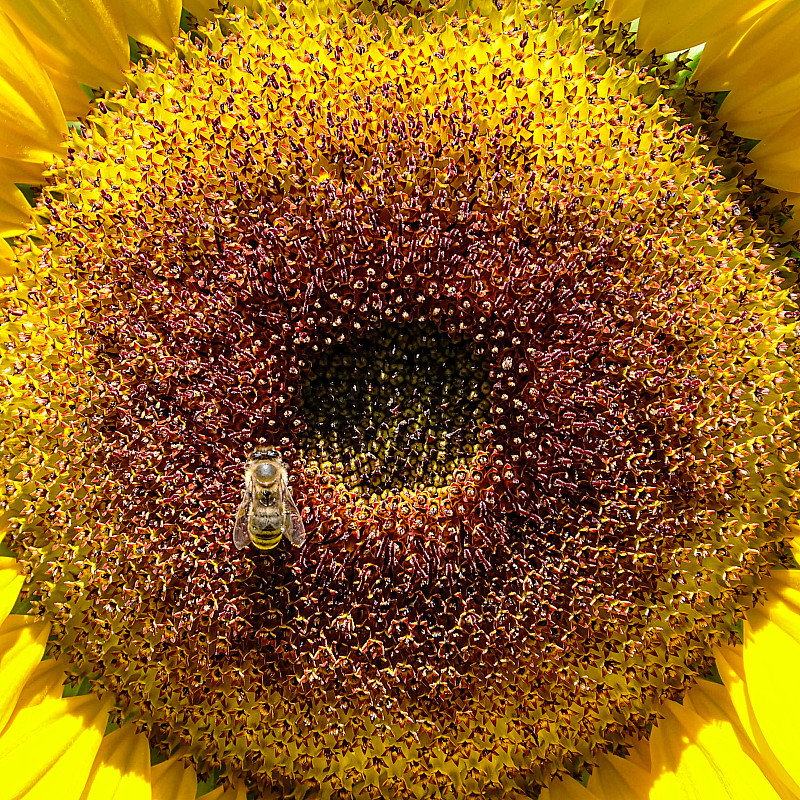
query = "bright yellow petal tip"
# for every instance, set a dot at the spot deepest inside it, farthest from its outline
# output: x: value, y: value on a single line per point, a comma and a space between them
x: 47, y: 750
x: 154, y: 23
x: 31, y: 118
x: 46, y: 681
x: 11, y: 581
x: 22, y: 643
x: 121, y: 770
x: 50, y: 48
x: 6, y: 255
x: 85, y: 39
x: 770, y: 661
x: 694, y: 758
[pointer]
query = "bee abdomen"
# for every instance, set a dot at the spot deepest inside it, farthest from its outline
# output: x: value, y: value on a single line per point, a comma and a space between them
x: 265, y: 531
x: 266, y: 539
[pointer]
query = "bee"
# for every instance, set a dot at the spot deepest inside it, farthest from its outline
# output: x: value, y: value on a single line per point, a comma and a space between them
x: 267, y: 510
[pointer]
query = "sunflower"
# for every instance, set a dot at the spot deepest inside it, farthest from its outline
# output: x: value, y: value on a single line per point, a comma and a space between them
x: 524, y: 341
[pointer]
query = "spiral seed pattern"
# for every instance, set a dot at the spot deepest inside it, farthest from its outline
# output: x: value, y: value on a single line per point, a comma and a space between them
x: 532, y: 377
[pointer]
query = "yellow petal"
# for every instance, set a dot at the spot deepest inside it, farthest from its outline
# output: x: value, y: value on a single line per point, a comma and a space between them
x: 671, y: 25
x: 74, y: 100
x: 121, y: 770
x: 792, y: 225
x: 21, y: 171
x: 170, y: 780
x: 624, y: 10
x: 764, y: 76
x: 640, y: 754
x: 85, y: 39
x: 567, y: 789
x: 22, y: 642
x: 771, y: 659
x: 778, y: 157
x: 731, y: 668
x: 11, y: 580
x: 729, y: 702
x: 713, y: 701
x: 153, y: 22
x: 696, y: 759
x: 617, y: 778
x: 15, y: 211
x: 46, y: 681
x: 200, y: 8
x: 30, y: 115
x: 47, y: 750
x: 731, y: 55
x: 6, y: 258
x: 758, y: 117
x: 750, y: 50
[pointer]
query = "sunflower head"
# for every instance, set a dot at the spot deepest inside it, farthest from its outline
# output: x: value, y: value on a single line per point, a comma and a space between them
x: 530, y: 377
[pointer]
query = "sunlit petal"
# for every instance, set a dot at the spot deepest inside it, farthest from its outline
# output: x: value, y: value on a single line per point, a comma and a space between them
x: 757, y: 117
x: 20, y: 171
x: 731, y: 53
x: 762, y: 72
x: 22, y: 642
x: 771, y: 658
x: 15, y: 210
x: 172, y: 781
x: 778, y: 158
x: 6, y: 258
x: 672, y: 25
x: 46, y: 681
x: 730, y: 703
x: 153, y: 22
x: 616, y: 778
x: 697, y: 759
x: 751, y: 52
x: 47, y: 750
x: 731, y: 668
x: 30, y: 115
x: 74, y: 100
x: 86, y: 39
x: 713, y: 701
x: 11, y: 580
x: 624, y: 10
x: 71, y: 758
x: 121, y: 770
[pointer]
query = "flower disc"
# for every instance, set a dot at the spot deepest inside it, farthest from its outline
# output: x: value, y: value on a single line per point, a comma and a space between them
x: 531, y: 380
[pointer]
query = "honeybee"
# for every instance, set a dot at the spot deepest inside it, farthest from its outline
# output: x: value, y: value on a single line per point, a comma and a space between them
x: 267, y: 510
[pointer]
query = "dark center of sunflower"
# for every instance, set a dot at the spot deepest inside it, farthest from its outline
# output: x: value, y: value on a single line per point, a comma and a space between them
x: 400, y: 407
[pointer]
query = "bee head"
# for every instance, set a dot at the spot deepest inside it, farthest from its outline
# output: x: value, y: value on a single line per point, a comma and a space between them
x: 267, y: 452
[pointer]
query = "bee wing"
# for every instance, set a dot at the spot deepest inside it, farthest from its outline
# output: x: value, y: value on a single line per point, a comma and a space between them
x: 241, y: 534
x: 293, y: 528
